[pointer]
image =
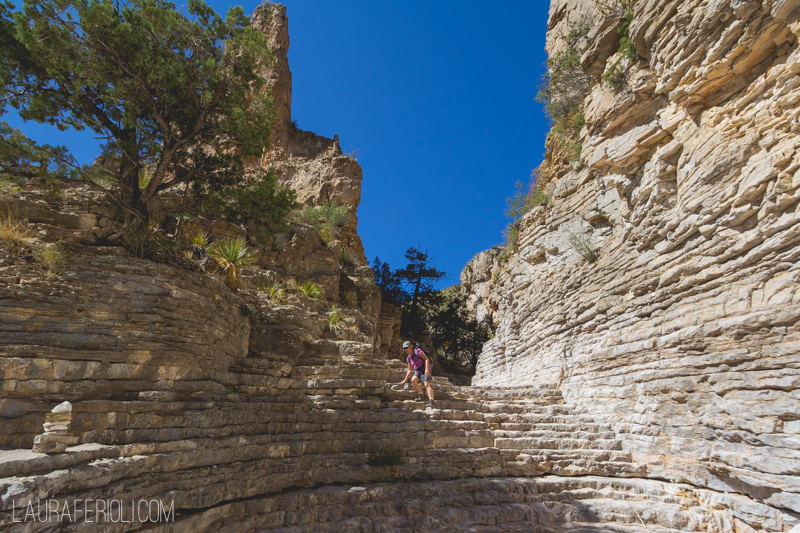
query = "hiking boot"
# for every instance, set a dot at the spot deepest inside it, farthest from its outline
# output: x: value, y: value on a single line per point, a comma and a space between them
x: 430, y: 402
x: 420, y: 397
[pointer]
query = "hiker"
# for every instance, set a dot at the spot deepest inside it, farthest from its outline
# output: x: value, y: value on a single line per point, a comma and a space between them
x: 420, y: 366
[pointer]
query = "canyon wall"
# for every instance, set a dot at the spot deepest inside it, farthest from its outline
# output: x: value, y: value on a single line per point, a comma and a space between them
x: 614, y: 398
x: 660, y: 287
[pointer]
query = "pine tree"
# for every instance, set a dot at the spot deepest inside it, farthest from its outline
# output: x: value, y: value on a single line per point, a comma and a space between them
x: 176, y: 98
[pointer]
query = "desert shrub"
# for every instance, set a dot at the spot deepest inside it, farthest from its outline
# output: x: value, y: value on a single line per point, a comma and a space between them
x: 338, y: 320
x: 562, y: 91
x: 261, y: 206
x: 583, y: 245
x: 348, y: 299
x: 347, y: 257
x: 309, y: 289
x: 388, y: 458
x: 615, y: 76
x: 231, y: 254
x: 14, y: 231
x: 353, y: 154
x: 327, y: 219
x: 53, y: 259
x: 523, y: 200
x: 510, y: 237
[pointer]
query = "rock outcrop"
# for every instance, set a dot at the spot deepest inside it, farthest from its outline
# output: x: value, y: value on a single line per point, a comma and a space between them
x: 654, y: 389
x: 312, y: 165
x: 659, y: 291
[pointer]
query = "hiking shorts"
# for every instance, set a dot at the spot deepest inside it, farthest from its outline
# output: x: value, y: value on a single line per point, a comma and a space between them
x: 421, y: 375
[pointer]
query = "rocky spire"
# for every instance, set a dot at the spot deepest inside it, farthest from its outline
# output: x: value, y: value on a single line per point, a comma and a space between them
x: 272, y: 20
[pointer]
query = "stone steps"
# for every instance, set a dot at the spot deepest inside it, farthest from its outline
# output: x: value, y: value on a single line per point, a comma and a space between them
x: 528, y: 443
x: 565, y: 434
x: 543, y: 505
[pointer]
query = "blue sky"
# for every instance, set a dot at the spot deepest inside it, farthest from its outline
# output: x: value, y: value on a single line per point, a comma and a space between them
x: 437, y: 97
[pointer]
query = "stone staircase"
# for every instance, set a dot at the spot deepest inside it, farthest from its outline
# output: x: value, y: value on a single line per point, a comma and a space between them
x: 340, y: 446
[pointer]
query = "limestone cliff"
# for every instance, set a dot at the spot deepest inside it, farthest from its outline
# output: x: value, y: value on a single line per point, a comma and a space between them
x: 659, y: 289
x: 661, y: 398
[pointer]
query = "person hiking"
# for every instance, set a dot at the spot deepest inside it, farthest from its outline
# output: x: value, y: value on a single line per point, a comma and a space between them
x: 420, y: 366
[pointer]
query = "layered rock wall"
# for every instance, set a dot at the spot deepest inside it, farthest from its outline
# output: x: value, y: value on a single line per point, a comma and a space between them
x: 684, y: 332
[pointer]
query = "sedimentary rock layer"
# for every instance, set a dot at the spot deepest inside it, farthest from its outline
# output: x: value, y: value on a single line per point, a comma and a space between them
x: 681, y: 326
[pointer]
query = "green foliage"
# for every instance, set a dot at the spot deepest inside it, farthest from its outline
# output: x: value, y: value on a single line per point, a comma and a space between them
x: 178, y: 92
x: 261, y: 205
x: 563, y: 89
x: 276, y: 291
x: 328, y: 219
x: 390, y: 283
x: 457, y: 335
x: 388, y: 458
x: 309, y: 289
x: 615, y: 76
x: 233, y: 251
x: 419, y: 277
x: 53, y: 259
x: 441, y: 316
x: 524, y: 200
x: 199, y: 238
x: 583, y: 245
x: 565, y: 85
x: 510, y: 237
x: 338, y: 320
x: 22, y: 159
x: 231, y: 254
x: 346, y: 257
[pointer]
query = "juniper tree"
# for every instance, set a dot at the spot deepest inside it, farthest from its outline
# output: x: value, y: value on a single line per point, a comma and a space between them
x: 175, y: 97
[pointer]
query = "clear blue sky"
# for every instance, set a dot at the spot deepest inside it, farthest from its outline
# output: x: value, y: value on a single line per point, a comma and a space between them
x: 438, y: 98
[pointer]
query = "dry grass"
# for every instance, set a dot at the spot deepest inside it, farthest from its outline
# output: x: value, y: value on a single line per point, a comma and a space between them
x: 14, y: 230
x: 52, y: 257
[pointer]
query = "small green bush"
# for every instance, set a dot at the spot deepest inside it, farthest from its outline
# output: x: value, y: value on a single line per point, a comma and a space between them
x: 326, y: 215
x: 346, y: 257
x: 52, y: 257
x: 348, y: 300
x: 261, y: 206
x: 583, y: 246
x: 309, y: 289
x: 511, y: 236
x: 615, y: 76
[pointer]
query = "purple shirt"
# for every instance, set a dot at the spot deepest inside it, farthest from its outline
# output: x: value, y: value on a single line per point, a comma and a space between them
x: 416, y: 360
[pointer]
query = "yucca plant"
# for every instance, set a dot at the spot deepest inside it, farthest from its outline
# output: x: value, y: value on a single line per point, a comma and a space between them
x: 309, y: 289
x: 338, y: 320
x: 276, y: 291
x: 199, y: 238
x: 231, y: 254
